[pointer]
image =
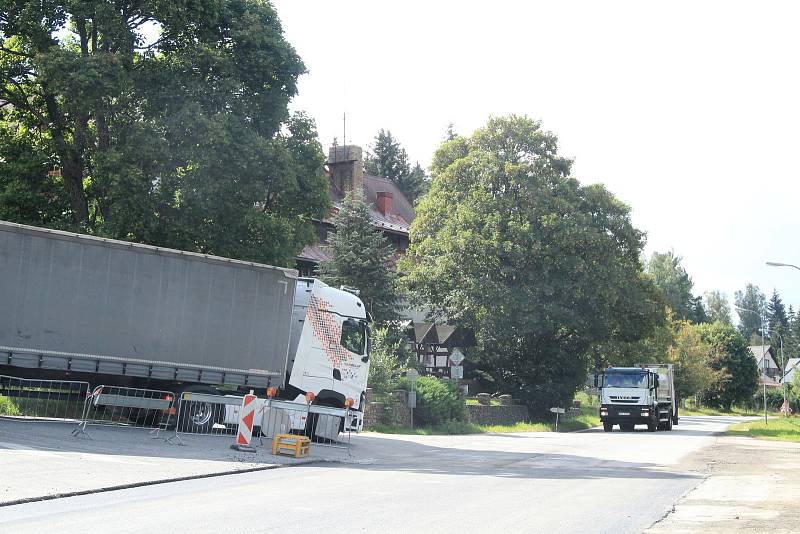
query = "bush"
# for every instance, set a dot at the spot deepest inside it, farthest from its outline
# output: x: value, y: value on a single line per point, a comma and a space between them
x: 389, y: 359
x: 438, y: 402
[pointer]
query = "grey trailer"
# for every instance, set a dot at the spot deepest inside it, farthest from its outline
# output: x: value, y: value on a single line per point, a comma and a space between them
x: 72, y: 304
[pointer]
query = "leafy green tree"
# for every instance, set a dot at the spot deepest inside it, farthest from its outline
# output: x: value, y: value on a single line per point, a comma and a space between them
x: 675, y: 285
x: 719, y: 309
x: 792, y: 342
x: 693, y: 360
x: 731, y: 358
x: 360, y: 257
x: 507, y: 244
x: 28, y: 195
x: 169, y: 123
x: 390, y: 357
x: 752, y: 304
x: 677, y: 342
x: 389, y: 160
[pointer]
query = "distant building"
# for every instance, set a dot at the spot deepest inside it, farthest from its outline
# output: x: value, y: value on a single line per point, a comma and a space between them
x: 769, y: 375
x: 393, y: 214
x: 792, y: 367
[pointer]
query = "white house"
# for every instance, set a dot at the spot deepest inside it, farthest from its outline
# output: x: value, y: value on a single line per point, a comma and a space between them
x: 791, y: 365
x: 773, y: 371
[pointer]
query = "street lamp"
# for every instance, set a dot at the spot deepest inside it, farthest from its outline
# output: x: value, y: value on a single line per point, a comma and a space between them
x: 776, y: 264
x: 763, y: 357
x: 783, y: 368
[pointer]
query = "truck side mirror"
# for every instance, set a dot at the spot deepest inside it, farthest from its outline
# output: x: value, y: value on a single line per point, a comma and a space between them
x: 655, y: 381
x: 595, y: 380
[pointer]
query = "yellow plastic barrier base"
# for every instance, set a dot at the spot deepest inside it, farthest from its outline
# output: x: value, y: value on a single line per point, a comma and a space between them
x: 291, y: 445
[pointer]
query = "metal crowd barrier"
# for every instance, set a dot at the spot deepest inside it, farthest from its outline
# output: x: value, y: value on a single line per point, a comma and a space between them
x: 42, y: 400
x: 127, y: 407
x: 207, y: 414
x: 324, y: 425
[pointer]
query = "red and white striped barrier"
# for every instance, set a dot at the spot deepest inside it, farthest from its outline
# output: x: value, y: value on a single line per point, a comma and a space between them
x: 246, y: 418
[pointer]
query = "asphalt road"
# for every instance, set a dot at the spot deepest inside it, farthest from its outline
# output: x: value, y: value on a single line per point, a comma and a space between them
x: 539, y: 482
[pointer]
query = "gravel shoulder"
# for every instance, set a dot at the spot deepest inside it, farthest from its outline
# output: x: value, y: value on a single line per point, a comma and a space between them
x: 751, y: 486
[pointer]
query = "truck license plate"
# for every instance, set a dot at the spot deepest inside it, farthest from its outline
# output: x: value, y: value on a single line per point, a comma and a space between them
x: 624, y: 413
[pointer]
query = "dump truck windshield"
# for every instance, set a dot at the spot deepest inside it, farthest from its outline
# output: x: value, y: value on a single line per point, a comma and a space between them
x: 625, y: 380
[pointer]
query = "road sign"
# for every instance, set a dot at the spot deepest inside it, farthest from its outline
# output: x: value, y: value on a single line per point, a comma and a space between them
x: 456, y: 357
x: 557, y: 410
x: 412, y: 399
x: 412, y: 375
x: 457, y: 371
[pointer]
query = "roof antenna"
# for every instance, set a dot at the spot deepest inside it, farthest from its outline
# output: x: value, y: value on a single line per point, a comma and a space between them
x: 344, y: 128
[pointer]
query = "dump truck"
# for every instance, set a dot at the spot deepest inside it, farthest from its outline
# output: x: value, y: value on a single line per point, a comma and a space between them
x: 644, y: 395
x: 79, y: 307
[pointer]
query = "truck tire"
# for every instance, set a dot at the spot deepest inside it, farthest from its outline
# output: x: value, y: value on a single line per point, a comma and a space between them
x: 200, y: 417
x: 607, y: 426
x: 668, y: 424
x: 653, y: 424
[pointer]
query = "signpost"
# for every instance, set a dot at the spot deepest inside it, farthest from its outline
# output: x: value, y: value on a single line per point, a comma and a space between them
x: 456, y: 357
x: 457, y: 372
x: 557, y: 411
x: 412, y: 376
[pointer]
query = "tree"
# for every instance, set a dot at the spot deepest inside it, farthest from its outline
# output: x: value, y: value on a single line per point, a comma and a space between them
x: 360, y: 257
x: 168, y: 122
x: 675, y: 285
x: 677, y: 342
x: 390, y: 357
x: 777, y: 318
x: 719, y: 309
x: 752, y: 303
x: 693, y: 360
x: 389, y: 160
x: 731, y: 358
x: 507, y: 244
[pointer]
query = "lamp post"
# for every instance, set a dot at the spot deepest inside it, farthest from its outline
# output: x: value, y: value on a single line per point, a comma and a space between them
x: 783, y: 368
x: 763, y: 358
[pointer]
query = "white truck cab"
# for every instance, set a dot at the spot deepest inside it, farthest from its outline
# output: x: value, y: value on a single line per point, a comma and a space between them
x: 329, y: 347
x: 638, y: 395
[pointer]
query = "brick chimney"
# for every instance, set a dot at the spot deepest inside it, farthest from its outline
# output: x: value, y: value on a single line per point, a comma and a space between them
x: 346, y: 167
x: 385, y: 202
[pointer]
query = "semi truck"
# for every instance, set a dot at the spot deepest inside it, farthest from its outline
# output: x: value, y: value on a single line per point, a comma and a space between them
x: 79, y: 307
x: 644, y: 394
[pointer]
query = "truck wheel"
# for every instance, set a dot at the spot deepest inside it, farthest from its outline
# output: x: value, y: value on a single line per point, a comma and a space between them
x: 200, y: 417
x: 652, y: 425
x: 668, y: 424
x: 607, y: 426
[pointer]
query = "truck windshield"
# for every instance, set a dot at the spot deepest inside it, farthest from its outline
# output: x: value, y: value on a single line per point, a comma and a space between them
x: 354, y: 336
x: 625, y: 380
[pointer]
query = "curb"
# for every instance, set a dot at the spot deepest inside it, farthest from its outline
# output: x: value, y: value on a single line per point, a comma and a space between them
x: 132, y: 485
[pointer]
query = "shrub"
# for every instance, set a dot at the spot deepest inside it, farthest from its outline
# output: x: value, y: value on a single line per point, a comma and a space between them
x: 389, y: 359
x: 438, y: 402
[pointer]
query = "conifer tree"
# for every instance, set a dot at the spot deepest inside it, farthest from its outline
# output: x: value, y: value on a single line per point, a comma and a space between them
x: 388, y: 159
x: 360, y: 258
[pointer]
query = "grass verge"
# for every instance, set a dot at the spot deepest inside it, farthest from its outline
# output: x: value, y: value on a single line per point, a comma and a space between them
x: 702, y: 410
x: 589, y: 418
x: 781, y: 429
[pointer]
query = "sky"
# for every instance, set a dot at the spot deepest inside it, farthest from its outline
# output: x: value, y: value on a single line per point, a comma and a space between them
x: 687, y: 111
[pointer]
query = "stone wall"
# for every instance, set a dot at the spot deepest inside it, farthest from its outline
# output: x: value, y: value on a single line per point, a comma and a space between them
x: 496, y: 415
x: 395, y: 413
